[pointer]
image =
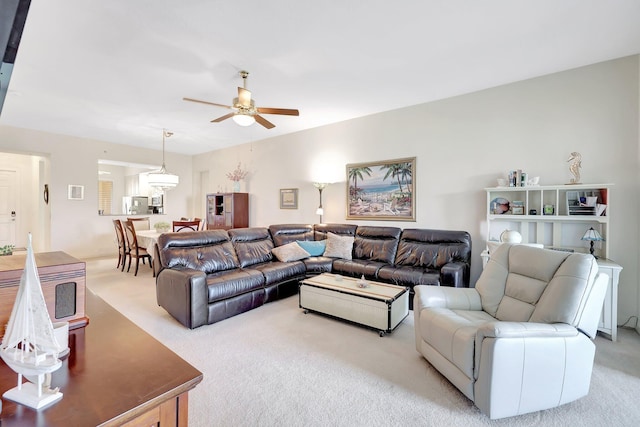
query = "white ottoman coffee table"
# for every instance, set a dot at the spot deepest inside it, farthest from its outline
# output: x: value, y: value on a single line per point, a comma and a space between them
x: 380, y: 306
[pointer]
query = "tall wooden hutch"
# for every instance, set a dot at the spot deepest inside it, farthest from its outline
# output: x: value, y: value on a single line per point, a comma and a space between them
x: 227, y: 210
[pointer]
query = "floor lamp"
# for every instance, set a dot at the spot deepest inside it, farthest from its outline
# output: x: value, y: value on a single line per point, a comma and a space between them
x: 320, y: 186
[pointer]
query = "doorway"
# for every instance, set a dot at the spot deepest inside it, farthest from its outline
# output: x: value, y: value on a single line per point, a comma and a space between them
x: 23, y: 208
x: 8, y: 204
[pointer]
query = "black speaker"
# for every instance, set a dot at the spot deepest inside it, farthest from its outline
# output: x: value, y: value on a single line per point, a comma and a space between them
x: 65, y: 300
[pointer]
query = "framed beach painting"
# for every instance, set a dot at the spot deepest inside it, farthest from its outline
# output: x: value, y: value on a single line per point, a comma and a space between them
x: 382, y: 190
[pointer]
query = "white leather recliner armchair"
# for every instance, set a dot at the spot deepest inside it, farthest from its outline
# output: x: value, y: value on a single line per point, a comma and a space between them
x: 521, y: 340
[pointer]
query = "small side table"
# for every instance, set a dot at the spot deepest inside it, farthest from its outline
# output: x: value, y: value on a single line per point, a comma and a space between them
x: 609, y: 320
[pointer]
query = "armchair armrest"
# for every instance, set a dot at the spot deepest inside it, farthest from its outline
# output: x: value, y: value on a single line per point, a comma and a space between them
x: 453, y: 274
x: 514, y: 361
x: 524, y: 330
x: 525, y: 333
x: 444, y: 297
x: 183, y: 293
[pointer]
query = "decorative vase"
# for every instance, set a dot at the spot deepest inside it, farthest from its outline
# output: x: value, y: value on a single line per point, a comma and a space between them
x: 236, y: 186
x: 510, y: 236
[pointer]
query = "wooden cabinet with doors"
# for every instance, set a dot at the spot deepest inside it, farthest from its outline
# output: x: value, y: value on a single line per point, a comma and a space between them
x: 227, y: 210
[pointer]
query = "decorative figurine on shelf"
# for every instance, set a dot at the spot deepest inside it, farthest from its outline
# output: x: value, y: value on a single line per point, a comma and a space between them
x: 575, y: 163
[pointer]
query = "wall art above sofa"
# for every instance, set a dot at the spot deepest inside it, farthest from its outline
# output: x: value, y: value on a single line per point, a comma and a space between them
x: 383, y: 190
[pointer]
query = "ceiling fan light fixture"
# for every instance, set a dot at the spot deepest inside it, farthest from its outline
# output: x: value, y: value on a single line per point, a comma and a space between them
x: 244, y: 111
x: 244, y: 119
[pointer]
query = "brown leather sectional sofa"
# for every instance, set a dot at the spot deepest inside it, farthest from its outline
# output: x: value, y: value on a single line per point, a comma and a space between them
x: 203, y: 277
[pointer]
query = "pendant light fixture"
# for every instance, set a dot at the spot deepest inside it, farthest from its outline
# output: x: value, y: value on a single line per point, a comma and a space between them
x: 162, y: 179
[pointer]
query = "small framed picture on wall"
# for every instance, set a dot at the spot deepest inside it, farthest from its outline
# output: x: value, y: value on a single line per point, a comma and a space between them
x: 76, y: 192
x: 288, y: 198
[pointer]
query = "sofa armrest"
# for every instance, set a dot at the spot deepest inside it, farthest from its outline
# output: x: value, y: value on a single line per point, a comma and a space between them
x: 183, y: 293
x: 452, y: 298
x: 453, y: 274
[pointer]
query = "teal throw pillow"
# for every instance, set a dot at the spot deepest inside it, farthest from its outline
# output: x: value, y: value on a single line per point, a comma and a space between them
x: 314, y: 247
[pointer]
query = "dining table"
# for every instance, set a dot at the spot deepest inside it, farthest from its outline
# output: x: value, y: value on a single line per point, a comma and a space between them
x: 148, y: 239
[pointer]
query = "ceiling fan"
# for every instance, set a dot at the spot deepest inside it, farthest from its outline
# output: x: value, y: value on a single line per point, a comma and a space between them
x: 244, y: 110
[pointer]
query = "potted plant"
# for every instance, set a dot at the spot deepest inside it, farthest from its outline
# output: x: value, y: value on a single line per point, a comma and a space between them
x: 236, y: 176
x: 6, y: 250
x: 162, y: 227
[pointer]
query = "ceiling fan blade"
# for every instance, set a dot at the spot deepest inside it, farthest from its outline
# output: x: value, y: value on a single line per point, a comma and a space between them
x: 264, y: 122
x: 225, y: 117
x: 206, y: 102
x: 244, y: 97
x: 285, y: 111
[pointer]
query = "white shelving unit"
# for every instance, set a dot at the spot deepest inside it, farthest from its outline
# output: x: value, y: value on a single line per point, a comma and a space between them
x: 563, y: 229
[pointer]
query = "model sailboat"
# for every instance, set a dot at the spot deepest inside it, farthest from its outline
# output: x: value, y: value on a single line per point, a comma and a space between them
x: 29, y: 346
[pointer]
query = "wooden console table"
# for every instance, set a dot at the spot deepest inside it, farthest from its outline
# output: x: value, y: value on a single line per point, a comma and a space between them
x: 116, y: 374
x: 63, y: 280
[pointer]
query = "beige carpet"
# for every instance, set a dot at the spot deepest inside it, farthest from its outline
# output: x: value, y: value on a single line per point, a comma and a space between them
x: 275, y: 366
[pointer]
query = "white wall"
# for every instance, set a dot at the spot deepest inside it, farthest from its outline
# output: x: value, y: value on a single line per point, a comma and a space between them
x: 462, y: 145
x: 76, y: 227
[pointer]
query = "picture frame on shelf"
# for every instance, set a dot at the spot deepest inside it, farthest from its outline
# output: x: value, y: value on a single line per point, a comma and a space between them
x: 288, y: 198
x: 382, y: 190
x: 517, y: 210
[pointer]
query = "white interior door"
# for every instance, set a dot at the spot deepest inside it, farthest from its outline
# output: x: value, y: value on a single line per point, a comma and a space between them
x: 8, y: 205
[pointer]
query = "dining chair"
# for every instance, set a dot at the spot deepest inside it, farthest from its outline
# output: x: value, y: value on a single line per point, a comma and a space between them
x: 135, y: 251
x: 141, y: 223
x: 123, y: 248
x: 186, y: 225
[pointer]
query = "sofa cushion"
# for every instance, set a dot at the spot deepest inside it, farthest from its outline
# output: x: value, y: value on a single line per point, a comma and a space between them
x: 252, y: 245
x: 318, y: 264
x: 357, y: 267
x: 320, y: 231
x: 208, y: 251
x: 409, y: 276
x: 226, y: 284
x: 314, y: 247
x: 289, y: 252
x: 376, y: 243
x: 278, y: 272
x: 287, y: 233
x: 433, y: 248
x: 339, y: 246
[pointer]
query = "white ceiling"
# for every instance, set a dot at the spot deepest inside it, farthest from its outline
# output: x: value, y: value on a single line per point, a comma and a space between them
x: 117, y: 70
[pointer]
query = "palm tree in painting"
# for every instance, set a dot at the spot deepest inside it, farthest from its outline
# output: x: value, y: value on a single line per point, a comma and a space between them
x: 354, y: 175
x: 405, y: 174
x: 394, y: 170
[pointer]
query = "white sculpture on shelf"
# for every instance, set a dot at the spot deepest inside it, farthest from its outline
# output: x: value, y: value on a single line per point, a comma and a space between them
x: 575, y: 163
x: 29, y: 346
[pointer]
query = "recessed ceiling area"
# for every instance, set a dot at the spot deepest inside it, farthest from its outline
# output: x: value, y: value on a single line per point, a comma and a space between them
x: 117, y: 71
